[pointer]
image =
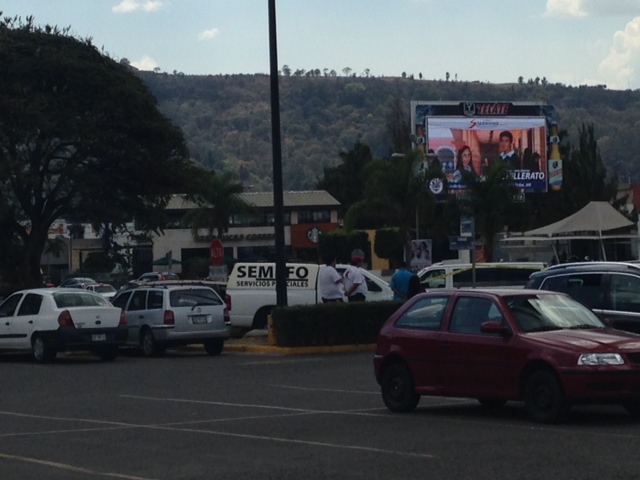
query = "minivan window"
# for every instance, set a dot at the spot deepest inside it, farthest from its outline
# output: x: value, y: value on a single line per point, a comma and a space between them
x: 587, y: 288
x: 625, y: 292
x: 493, y: 276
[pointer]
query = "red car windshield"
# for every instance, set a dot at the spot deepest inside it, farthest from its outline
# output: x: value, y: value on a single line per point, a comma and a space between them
x: 535, y: 313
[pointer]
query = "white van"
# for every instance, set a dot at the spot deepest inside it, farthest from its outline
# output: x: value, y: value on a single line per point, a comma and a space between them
x: 251, y: 290
x: 453, y: 274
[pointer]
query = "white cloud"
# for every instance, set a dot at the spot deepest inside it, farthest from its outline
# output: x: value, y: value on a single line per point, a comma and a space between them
x: 208, y: 34
x: 128, y: 6
x: 570, y: 8
x: 584, y: 8
x: 145, y: 63
x: 125, y: 6
x: 151, y: 6
x: 623, y: 62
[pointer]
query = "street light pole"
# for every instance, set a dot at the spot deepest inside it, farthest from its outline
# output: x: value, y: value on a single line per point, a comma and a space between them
x: 278, y: 200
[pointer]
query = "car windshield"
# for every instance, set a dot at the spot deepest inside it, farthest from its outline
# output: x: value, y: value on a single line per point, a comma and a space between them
x: 72, y: 299
x: 537, y: 313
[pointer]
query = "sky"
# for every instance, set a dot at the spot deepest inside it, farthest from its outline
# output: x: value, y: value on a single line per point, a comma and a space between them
x: 573, y: 42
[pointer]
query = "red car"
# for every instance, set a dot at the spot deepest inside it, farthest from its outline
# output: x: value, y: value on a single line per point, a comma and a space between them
x: 498, y: 345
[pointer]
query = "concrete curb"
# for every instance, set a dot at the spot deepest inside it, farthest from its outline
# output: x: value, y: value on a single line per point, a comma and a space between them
x: 299, y: 350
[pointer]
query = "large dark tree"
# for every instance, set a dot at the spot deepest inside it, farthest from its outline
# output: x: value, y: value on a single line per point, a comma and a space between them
x: 394, y: 194
x: 80, y: 137
x: 345, y: 181
x: 585, y: 177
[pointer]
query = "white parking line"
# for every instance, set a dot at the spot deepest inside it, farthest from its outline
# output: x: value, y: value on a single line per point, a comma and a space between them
x: 303, y: 442
x: 294, y: 387
x: 223, y: 404
x: 174, y: 428
x: 70, y: 468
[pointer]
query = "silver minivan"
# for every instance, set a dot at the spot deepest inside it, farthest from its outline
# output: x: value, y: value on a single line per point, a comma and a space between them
x: 162, y: 316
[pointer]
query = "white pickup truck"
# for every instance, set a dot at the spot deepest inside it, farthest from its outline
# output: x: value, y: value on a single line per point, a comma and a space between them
x: 251, y: 290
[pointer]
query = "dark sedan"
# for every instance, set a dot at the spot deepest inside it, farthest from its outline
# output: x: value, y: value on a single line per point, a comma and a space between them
x: 499, y: 345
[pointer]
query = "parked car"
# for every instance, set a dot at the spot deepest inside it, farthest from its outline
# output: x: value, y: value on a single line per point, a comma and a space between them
x: 76, y: 282
x: 453, y: 274
x: 107, y: 290
x: 156, y: 276
x: 610, y: 289
x: 161, y: 316
x: 499, y: 345
x: 48, y: 321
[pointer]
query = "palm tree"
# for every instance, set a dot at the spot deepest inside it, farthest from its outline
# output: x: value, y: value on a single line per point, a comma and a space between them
x: 218, y: 199
x: 392, y: 197
x: 489, y: 201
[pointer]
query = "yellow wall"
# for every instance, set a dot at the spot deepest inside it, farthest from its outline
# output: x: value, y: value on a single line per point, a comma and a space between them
x: 377, y: 263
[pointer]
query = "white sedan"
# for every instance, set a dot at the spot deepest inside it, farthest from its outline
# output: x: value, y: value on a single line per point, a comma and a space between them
x: 48, y: 320
x: 106, y: 290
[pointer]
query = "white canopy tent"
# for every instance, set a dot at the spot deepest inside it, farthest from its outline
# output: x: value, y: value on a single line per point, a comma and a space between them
x: 592, y: 222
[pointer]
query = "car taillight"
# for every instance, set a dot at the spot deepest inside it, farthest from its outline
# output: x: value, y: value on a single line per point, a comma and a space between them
x: 227, y: 302
x: 227, y: 320
x: 64, y: 319
x: 168, y: 318
x: 123, y: 318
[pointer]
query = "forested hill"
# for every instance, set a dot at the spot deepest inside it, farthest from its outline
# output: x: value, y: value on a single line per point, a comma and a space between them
x: 227, y: 120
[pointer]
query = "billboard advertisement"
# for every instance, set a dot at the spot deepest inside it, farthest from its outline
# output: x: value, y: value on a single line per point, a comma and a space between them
x: 420, y: 254
x: 458, y: 136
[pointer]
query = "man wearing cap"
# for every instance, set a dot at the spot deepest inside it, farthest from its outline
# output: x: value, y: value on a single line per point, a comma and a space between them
x: 355, y: 284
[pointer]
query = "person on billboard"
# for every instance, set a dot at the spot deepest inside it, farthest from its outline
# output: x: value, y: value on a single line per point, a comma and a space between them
x: 434, y: 161
x: 463, y: 163
x: 420, y: 250
x: 507, y: 153
x: 531, y: 161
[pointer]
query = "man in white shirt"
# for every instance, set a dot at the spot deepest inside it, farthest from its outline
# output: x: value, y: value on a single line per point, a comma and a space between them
x: 355, y: 284
x: 330, y: 285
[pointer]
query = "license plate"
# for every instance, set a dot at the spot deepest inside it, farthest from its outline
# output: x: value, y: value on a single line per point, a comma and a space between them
x: 199, y: 319
x: 100, y: 337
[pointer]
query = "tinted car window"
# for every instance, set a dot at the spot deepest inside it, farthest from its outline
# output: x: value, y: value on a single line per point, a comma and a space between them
x: 587, y: 288
x: 31, y: 305
x: 425, y: 314
x: 8, y: 307
x: 470, y: 313
x: 154, y: 300
x: 493, y: 276
x: 193, y: 297
x: 625, y: 292
x: 138, y: 300
x: 121, y: 300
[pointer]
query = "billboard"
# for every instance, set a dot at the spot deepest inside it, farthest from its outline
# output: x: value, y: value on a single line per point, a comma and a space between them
x: 472, y: 136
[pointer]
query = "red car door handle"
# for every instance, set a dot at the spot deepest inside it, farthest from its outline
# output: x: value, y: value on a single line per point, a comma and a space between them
x: 445, y: 345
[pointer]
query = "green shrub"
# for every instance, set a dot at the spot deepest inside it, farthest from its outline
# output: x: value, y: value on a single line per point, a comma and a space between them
x: 331, y: 323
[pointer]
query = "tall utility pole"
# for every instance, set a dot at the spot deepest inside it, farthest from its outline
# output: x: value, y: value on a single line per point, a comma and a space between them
x: 278, y: 201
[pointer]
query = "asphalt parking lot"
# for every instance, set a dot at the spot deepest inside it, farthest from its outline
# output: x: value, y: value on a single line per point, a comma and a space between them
x: 242, y: 415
